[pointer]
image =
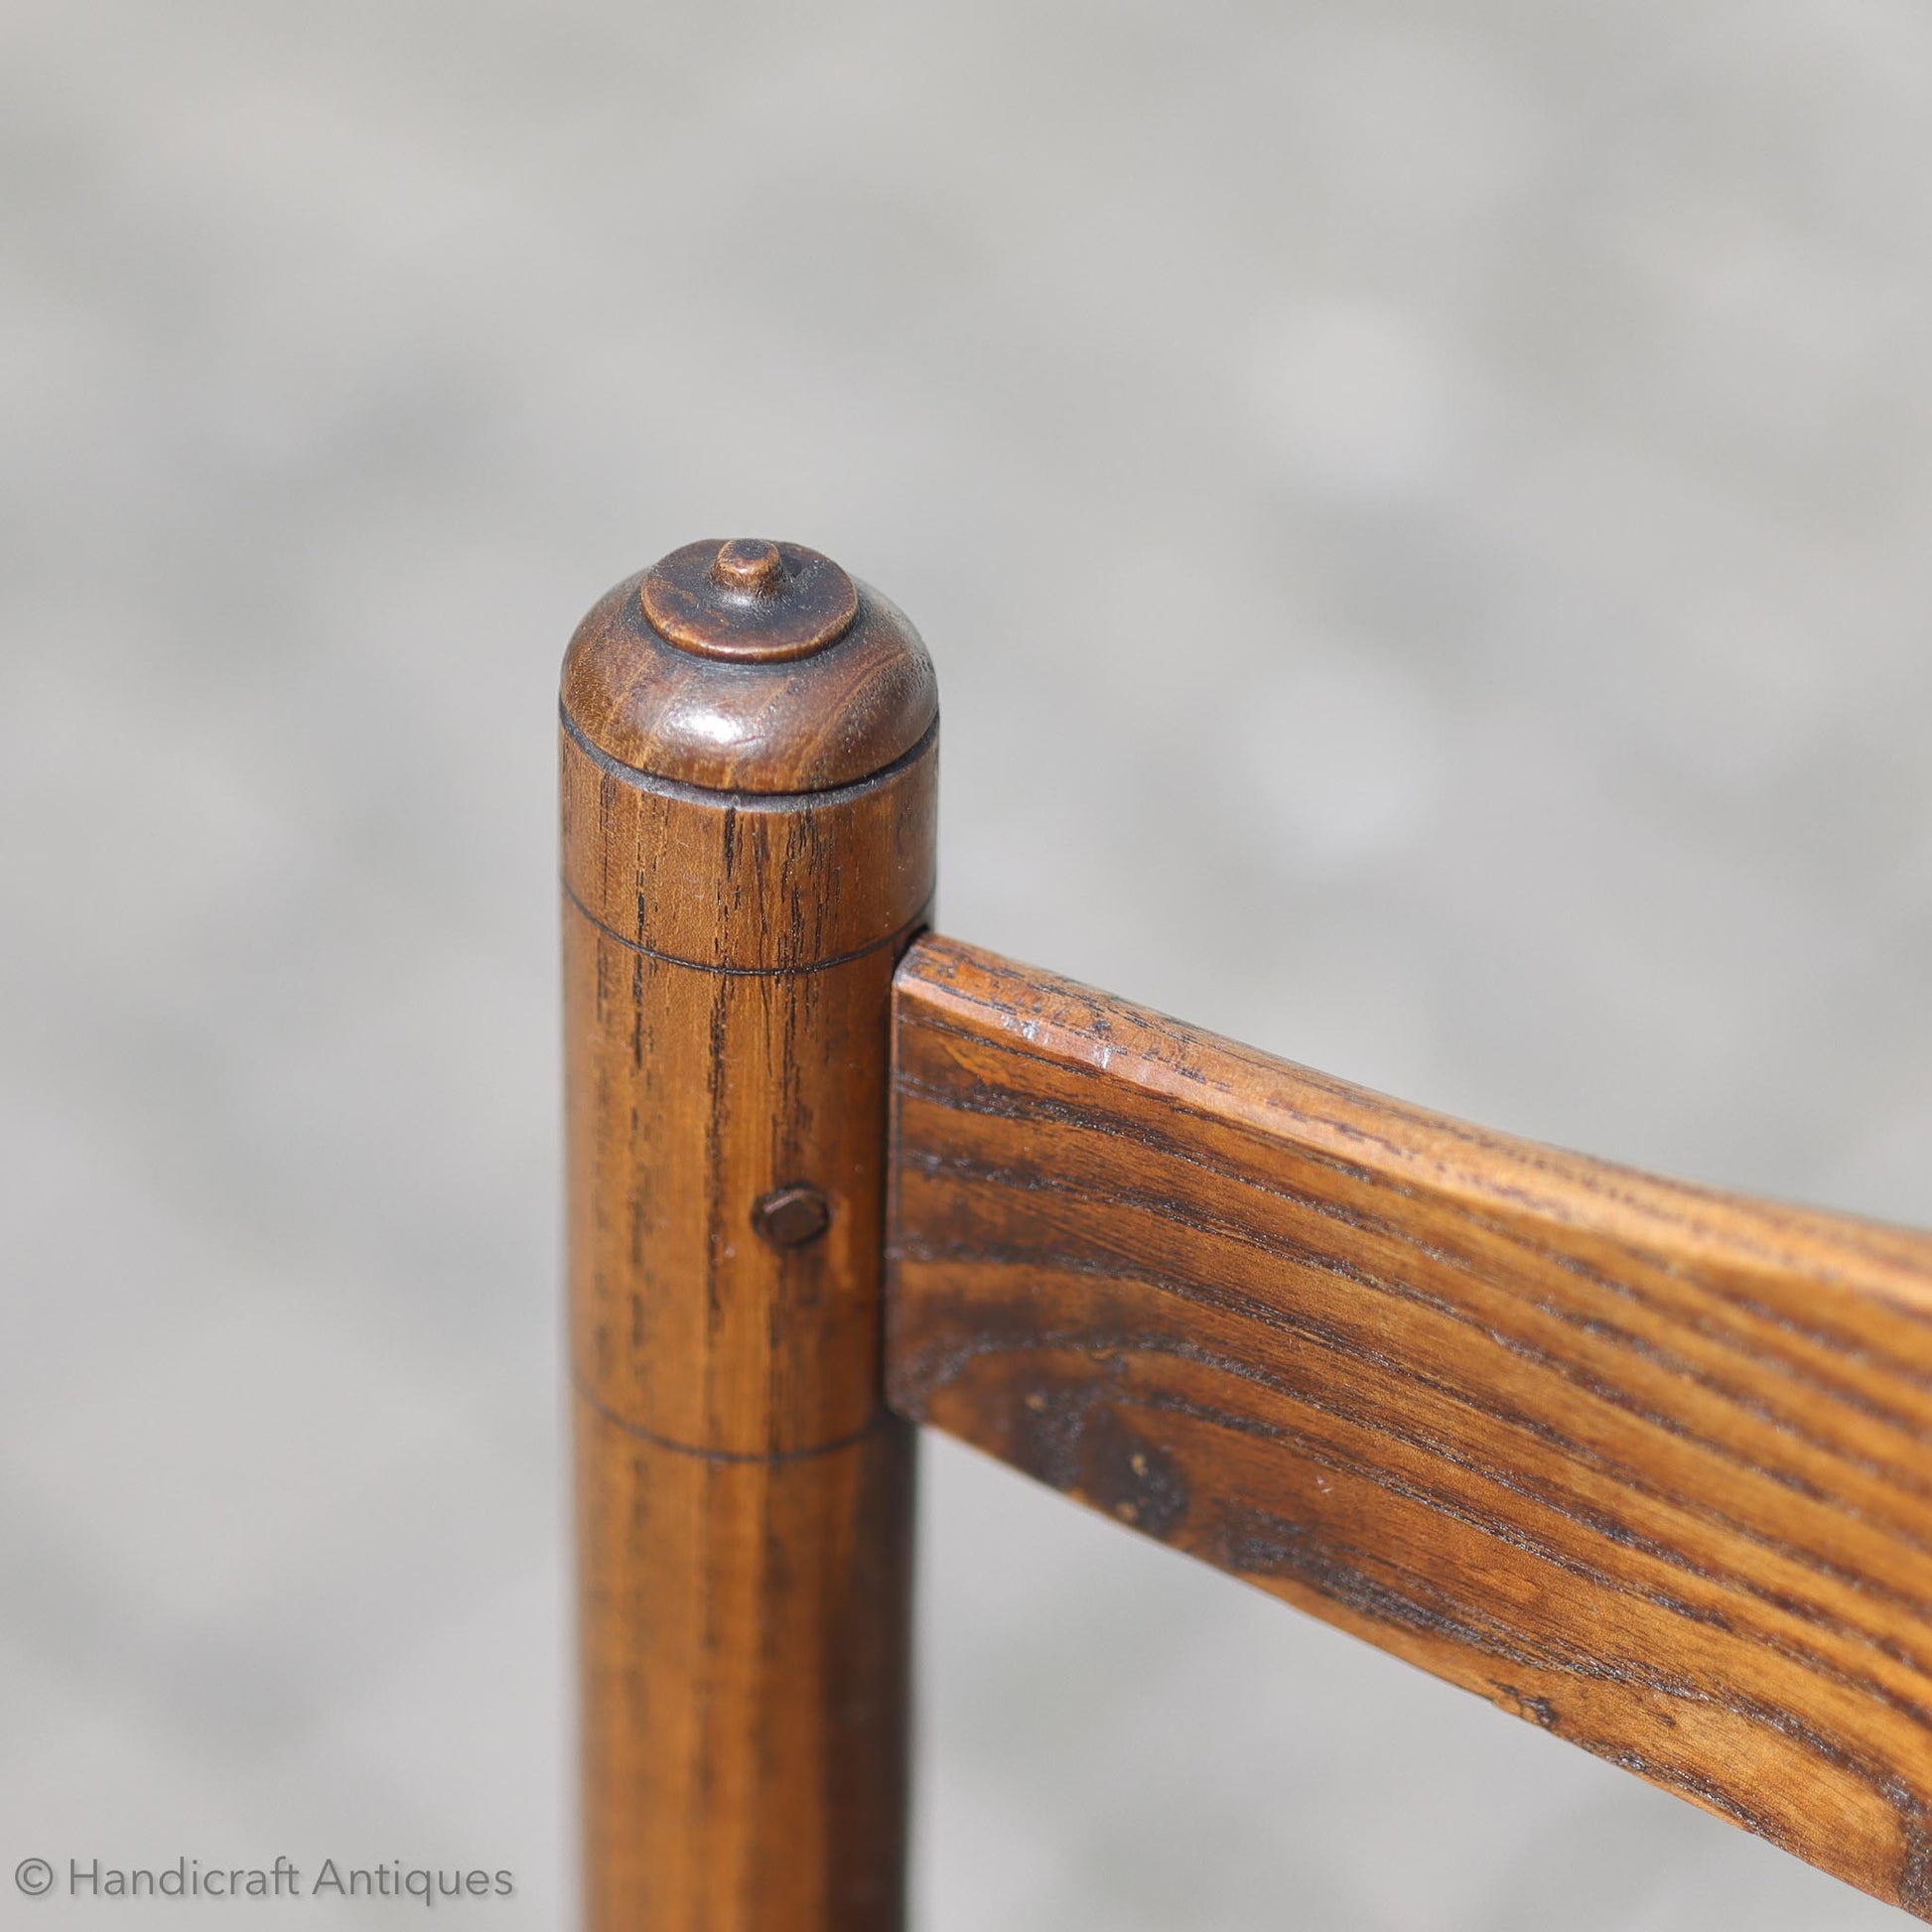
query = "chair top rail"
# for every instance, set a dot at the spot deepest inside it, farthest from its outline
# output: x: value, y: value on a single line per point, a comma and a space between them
x: 1643, y: 1463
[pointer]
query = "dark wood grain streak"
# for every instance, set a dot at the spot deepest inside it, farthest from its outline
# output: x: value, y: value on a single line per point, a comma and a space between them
x: 1643, y: 1463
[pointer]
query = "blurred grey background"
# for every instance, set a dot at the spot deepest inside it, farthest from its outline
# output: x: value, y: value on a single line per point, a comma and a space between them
x: 1421, y: 513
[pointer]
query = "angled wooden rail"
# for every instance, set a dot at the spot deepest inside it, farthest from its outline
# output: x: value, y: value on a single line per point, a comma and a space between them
x: 1644, y: 1463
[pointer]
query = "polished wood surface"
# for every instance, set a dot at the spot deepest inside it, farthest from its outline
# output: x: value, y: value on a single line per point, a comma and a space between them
x: 717, y: 710
x: 1641, y: 1462
x: 746, y: 848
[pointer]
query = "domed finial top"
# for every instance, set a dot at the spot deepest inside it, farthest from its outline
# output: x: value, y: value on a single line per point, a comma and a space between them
x: 755, y: 601
x: 748, y: 666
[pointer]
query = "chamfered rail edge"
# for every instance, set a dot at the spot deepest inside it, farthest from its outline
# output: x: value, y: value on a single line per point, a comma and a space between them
x: 1642, y: 1463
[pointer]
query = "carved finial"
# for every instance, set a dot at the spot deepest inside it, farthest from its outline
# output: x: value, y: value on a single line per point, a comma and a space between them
x: 749, y: 566
x: 749, y: 600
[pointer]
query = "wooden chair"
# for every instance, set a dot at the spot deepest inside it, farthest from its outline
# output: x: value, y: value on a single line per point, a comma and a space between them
x: 1642, y: 1463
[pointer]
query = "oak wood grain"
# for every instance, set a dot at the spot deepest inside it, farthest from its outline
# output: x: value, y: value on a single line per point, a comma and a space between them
x: 733, y: 909
x: 1642, y: 1463
x: 737, y: 722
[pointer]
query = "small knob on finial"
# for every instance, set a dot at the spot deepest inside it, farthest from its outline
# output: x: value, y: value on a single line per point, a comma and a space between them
x: 749, y: 599
x: 749, y: 566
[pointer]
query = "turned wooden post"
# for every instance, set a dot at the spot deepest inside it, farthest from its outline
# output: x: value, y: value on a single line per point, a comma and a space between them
x: 748, y: 756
